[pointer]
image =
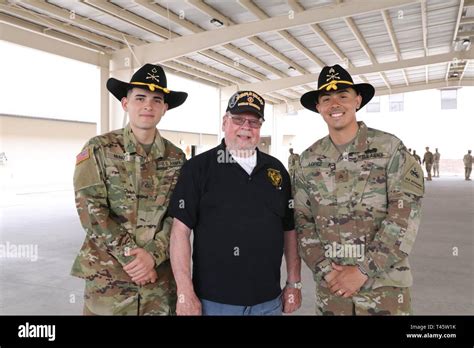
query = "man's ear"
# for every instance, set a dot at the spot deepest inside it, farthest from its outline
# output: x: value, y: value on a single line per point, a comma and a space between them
x: 359, y: 101
x: 124, y: 103
x: 317, y: 107
x: 224, y: 120
x: 165, y: 108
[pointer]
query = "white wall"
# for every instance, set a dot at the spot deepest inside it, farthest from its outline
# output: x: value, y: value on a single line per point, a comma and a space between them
x: 41, y: 153
x: 41, y: 84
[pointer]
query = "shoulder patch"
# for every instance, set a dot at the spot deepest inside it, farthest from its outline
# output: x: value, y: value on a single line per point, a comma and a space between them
x: 412, y: 180
x: 84, y: 155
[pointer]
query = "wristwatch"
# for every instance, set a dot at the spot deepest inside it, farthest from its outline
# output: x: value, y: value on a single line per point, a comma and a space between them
x: 362, y: 270
x: 297, y: 285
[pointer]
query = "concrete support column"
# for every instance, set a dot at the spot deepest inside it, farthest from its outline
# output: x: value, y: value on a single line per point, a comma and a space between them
x: 277, y: 150
x: 103, y: 124
x: 121, y: 69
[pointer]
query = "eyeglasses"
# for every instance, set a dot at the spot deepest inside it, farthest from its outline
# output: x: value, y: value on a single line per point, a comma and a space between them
x: 240, y: 121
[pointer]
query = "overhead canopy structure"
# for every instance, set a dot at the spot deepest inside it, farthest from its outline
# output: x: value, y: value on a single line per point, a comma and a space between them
x: 275, y: 47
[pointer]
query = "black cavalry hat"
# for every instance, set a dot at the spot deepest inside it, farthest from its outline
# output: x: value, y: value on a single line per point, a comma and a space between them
x: 151, y: 77
x: 333, y: 78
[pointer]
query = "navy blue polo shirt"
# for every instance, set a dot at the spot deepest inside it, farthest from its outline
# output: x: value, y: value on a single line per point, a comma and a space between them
x: 238, y: 221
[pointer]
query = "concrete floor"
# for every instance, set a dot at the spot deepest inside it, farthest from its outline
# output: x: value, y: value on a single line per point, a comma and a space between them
x: 443, y: 283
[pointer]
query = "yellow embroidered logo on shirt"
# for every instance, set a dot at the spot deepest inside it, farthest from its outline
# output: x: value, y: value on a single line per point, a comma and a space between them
x: 274, y: 176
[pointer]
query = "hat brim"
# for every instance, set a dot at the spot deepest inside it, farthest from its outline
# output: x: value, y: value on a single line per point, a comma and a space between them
x: 249, y: 109
x: 119, y: 90
x: 366, y: 90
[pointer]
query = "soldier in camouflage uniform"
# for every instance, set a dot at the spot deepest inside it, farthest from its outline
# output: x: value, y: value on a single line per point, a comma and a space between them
x: 293, y: 159
x: 467, y: 160
x: 428, y: 162
x: 417, y: 158
x: 436, y: 158
x: 123, y: 182
x: 357, y: 206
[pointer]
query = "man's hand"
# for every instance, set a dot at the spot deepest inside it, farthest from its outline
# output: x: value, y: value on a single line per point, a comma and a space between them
x: 330, y: 276
x: 149, y: 277
x: 141, y: 266
x: 347, y: 281
x: 188, y: 303
x: 291, y: 299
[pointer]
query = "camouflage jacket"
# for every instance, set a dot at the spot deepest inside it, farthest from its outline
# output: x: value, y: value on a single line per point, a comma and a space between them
x: 367, y: 199
x: 467, y: 159
x: 292, y: 161
x: 428, y: 157
x: 122, y: 197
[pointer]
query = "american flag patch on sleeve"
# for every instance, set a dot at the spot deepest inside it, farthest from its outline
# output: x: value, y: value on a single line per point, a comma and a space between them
x: 85, y: 154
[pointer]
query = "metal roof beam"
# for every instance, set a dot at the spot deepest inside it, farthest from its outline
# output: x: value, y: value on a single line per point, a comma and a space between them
x: 235, y: 50
x: 466, y: 20
x: 393, y: 39
x: 189, y: 77
x: 170, y: 49
x: 210, y: 70
x: 44, y: 43
x: 464, y: 70
x: 190, y: 71
x: 433, y: 84
x: 16, y: 10
x: 424, y: 26
x: 295, y: 6
x: 208, y: 10
x: 360, y: 39
x: 465, y: 33
x: 249, y: 5
x: 196, y: 29
x: 233, y: 64
x: 131, y: 18
x: 80, y: 21
x: 209, y: 53
x: 458, y: 21
x: 23, y: 24
x: 288, y: 82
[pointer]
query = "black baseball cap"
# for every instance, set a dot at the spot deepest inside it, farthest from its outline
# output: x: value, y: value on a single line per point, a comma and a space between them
x: 246, y: 101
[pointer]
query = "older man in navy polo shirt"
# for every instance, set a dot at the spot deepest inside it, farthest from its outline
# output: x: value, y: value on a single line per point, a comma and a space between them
x: 237, y: 201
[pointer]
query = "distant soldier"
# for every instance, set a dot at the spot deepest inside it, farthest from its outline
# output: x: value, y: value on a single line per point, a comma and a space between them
x: 123, y: 183
x: 357, y: 205
x: 467, y: 165
x: 436, y: 157
x: 417, y: 158
x: 428, y: 162
x: 293, y: 159
x: 3, y: 158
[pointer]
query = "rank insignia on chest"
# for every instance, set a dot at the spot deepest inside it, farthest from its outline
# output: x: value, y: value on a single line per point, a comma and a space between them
x: 274, y: 176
